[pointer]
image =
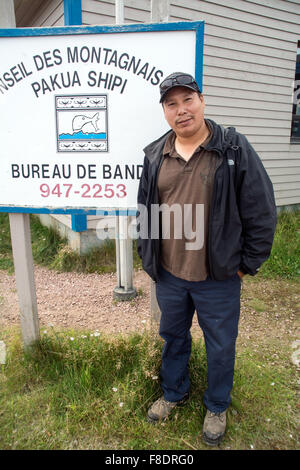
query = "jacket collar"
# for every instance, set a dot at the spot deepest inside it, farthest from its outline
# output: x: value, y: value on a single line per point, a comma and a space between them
x: 154, y: 150
x: 221, y: 139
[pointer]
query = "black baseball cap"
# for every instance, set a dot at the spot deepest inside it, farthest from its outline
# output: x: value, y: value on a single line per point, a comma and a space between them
x: 177, y: 79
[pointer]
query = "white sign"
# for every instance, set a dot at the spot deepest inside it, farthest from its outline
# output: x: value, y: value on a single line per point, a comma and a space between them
x: 78, y: 109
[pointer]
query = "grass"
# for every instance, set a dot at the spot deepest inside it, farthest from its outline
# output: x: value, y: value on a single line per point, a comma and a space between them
x: 5, y: 244
x: 258, y: 305
x: 284, y: 261
x: 84, y: 390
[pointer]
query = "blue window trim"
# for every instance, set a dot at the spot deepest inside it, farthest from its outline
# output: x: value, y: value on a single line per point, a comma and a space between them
x: 68, y: 210
x: 73, y: 16
x: 197, y: 26
x: 78, y: 222
x: 72, y: 12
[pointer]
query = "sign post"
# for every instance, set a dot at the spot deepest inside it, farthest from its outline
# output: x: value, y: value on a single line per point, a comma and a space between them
x: 21, y: 239
x: 160, y: 10
x: 124, y: 289
x: 24, y: 272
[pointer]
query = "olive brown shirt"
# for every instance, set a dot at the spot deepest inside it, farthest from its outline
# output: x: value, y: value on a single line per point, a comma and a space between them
x: 185, y: 190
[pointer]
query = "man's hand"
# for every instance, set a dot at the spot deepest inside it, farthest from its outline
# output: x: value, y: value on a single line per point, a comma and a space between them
x: 241, y: 274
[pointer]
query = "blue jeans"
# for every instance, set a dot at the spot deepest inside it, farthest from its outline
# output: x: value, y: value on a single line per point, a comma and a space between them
x: 217, y: 304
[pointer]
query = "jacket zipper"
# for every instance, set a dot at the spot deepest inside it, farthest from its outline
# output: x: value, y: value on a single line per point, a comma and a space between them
x: 156, y: 242
x: 211, y: 212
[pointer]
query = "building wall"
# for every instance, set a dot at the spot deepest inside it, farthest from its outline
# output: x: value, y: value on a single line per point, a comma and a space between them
x: 249, y: 68
x: 103, y: 12
x: 50, y: 14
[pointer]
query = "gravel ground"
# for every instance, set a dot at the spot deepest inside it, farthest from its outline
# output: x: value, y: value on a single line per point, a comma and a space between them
x: 85, y: 301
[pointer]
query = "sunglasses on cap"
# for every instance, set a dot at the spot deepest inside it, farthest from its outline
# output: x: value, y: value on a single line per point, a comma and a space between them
x: 183, y: 79
x: 179, y: 79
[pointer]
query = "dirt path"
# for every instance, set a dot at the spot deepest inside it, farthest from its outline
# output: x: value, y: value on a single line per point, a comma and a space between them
x: 269, y: 309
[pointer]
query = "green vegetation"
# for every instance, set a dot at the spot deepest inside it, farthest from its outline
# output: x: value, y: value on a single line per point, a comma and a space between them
x: 5, y: 244
x: 83, y: 390
x: 284, y: 261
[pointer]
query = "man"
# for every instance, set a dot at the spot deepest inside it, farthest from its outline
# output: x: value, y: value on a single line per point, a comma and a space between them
x: 217, y: 175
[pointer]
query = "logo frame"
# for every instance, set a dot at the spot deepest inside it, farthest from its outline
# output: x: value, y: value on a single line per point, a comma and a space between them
x: 77, y: 120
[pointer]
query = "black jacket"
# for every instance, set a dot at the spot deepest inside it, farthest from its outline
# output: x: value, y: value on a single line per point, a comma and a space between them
x: 242, y: 217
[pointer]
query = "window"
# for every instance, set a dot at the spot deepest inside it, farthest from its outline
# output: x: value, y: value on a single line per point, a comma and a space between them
x: 295, y: 134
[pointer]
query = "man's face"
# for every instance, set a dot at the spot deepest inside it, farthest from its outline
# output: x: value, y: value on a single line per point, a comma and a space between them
x: 184, y: 111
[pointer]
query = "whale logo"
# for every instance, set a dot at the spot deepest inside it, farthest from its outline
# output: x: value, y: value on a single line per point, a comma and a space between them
x: 85, y: 123
x: 81, y: 123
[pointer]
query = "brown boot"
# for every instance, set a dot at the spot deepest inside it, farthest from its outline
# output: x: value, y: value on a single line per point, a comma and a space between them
x: 161, y: 409
x: 214, y: 428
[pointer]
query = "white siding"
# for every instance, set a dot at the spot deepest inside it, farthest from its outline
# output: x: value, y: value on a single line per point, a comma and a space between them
x: 50, y: 14
x: 249, y: 68
x: 103, y: 12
